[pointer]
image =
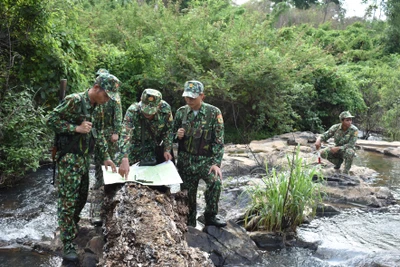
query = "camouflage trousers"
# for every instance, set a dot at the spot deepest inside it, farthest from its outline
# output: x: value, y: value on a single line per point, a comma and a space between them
x: 73, y: 186
x: 99, y: 160
x: 97, y: 195
x: 192, y: 169
x: 337, y: 158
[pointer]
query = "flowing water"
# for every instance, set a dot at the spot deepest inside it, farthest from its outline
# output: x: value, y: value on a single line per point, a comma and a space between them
x: 352, y: 238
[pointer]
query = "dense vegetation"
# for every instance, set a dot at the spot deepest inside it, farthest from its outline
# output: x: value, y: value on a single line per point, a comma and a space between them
x: 270, y: 67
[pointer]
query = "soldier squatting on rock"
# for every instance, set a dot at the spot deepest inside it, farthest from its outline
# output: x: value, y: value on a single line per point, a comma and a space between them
x: 345, y: 136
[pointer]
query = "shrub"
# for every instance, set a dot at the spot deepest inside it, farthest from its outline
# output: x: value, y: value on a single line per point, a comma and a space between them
x: 22, y: 131
x: 285, y: 199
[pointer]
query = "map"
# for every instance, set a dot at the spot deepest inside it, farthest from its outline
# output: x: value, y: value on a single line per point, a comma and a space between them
x: 161, y: 174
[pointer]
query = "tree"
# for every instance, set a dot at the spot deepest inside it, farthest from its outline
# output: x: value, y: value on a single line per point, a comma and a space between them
x: 301, y: 4
x: 393, y: 31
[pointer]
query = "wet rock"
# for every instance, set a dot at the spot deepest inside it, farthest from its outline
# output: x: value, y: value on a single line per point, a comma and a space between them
x: 326, y: 210
x: 227, y: 246
x: 268, y: 240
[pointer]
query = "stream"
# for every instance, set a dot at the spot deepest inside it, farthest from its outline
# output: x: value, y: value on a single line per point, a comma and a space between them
x: 352, y: 238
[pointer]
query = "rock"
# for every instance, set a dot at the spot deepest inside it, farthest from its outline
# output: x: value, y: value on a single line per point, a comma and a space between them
x: 95, y: 245
x: 391, y: 151
x: 326, y: 210
x: 227, y: 246
x: 268, y: 240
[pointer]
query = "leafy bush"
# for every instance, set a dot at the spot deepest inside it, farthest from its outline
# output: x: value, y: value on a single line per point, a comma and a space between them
x: 22, y: 136
x: 286, y: 197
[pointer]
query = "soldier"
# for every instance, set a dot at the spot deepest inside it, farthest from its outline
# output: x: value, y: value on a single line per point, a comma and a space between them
x: 72, y: 120
x: 108, y: 118
x: 146, y: 126
x: 199, y: 128
x: 345, y: 136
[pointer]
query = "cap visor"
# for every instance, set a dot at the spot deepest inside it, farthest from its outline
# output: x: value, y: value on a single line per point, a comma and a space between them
x: 148, y: 110
x: 190, y: 94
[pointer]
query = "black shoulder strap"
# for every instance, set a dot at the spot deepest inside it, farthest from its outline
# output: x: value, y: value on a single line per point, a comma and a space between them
x: 76, y: 137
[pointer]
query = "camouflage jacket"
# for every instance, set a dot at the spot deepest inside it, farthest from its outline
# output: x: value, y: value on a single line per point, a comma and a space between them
x: 344, y: 139
x: 64, y: 119
x: 204, y: 132
x: 108, y: 118
x: 131, y: 135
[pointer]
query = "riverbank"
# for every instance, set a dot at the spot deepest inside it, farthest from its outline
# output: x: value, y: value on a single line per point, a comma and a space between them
x: 240, y: 171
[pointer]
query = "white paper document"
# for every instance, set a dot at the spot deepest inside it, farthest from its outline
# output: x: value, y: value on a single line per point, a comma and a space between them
x: 161, y: 174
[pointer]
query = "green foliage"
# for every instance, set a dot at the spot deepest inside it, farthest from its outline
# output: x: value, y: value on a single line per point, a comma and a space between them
x: 393, y: 31
x: 41, y: 43
x: 22, y: 135
x: 287, y: 197
x: 271, y: 69
x: 301, y: 4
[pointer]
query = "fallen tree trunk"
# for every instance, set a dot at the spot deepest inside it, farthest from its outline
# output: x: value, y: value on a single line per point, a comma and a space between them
x: 145, y: 227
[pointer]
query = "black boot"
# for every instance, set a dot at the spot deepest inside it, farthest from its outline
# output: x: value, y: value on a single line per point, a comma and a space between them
x: 69, y: 252
x: 214, y: 220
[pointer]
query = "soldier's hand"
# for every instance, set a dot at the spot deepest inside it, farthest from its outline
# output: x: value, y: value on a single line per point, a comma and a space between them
x: 123, y: 169
x: 335, y: 149
x: 84, y: 128
x: 217, y: 171
x: 167, y: 156
x: 180, y: 133
x: 111, y: 164
x: 114, y: 138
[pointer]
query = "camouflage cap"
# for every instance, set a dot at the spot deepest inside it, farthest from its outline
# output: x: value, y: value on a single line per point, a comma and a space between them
x: 110, y: 84
x: 150, y: 101
x: 193, y: 89
x: 100, y: 71
x: 345, y: 115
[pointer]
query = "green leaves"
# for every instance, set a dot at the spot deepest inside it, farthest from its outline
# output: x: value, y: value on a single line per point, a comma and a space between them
x: 23, y: 135
x: 287, y: 197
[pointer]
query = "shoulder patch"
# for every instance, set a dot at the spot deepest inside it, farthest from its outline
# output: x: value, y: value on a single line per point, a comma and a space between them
x: 220, y: 119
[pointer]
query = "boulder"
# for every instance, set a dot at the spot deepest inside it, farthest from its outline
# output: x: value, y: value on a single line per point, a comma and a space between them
x: 227, y: 246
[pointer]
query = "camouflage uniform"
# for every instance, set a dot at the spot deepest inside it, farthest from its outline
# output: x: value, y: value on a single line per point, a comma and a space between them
x: 108, y: 118
x: 130, y: 143
x: 346, y: 140
x: 201, y: 147
x: 74, y: 154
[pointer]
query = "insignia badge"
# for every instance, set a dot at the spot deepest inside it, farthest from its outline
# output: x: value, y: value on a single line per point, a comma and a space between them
x: 151, y: 99
x: 220, y: 119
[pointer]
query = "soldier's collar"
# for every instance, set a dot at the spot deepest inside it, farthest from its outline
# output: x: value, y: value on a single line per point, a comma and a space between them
x: 87, y: 100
